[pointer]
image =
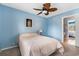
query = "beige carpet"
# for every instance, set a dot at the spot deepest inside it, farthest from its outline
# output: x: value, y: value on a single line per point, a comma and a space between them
x: 69, y: 51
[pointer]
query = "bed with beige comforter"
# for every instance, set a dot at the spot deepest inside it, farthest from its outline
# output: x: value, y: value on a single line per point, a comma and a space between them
x: 32, y: 44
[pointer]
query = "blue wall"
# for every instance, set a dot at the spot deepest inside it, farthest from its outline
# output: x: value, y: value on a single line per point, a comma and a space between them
x: 12, y: 23
x: 55, y: 24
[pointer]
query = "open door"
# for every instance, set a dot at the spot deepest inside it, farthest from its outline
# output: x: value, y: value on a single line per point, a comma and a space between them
x: 69, y: 30
x: 77, y: 31
x: 65, y: 30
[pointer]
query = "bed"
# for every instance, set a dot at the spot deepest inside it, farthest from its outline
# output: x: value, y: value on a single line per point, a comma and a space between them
x: 32, y: 44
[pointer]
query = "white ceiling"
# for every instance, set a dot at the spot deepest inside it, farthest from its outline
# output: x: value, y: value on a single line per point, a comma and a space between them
x: 28, y: 7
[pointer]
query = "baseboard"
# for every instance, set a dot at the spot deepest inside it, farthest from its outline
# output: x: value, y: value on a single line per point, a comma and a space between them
x: 8, y: 48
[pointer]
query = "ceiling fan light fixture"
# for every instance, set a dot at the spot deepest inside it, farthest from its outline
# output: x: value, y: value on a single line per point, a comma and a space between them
x: 44, y: 11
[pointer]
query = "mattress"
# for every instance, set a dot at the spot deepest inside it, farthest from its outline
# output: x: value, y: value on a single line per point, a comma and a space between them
x: 37, y: 45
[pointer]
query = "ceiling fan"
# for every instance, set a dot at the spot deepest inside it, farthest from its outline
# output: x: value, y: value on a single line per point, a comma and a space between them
x: 46, y: 8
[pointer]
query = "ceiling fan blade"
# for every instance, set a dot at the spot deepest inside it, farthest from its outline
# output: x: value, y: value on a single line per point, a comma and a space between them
x: 40, y: 13
x: 52, y: 9
x: 47, y: 5
x: 37, y: 9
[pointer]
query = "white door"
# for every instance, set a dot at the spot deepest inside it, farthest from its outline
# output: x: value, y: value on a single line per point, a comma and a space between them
x: 77, y: 31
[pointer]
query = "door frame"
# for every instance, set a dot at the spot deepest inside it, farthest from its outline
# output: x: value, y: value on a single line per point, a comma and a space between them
x: 68, y: 16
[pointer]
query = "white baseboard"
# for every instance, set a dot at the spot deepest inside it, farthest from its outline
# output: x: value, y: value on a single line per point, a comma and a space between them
x: 8, y: 48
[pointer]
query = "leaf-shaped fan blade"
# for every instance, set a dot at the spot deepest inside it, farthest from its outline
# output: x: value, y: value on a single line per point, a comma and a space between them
x: 39, y: 13
x: 47, y: 5
x: 52, y: 9
x: 38, y: 9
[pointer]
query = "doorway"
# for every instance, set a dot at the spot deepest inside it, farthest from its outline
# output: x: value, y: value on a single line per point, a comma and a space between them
x: 69, y: 24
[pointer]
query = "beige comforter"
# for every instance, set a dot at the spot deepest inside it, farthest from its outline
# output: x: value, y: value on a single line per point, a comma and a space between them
x: 38, y: 45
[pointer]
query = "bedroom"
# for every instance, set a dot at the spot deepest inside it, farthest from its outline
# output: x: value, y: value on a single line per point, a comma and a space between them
x: 17, y: 20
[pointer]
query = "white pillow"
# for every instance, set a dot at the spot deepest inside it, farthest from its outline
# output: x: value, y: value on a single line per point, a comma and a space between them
x: 29, y: 34
x: 25, y: 35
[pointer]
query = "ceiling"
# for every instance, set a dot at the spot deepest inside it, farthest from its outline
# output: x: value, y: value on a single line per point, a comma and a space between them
x: 28, y: 7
